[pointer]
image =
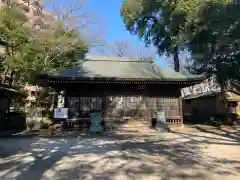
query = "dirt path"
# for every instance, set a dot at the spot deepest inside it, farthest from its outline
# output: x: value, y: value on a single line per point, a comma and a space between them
x: 153, y: 155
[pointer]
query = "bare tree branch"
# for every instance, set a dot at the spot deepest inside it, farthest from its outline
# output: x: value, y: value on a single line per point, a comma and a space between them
x: 120, y: 48
x: 74, y: 16
x: 124, y: 48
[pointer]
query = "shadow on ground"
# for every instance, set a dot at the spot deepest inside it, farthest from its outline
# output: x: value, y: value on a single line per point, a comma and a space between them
x: 163, y: 156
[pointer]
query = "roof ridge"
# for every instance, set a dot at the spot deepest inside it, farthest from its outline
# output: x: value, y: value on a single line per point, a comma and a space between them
x: 107, y: 60
x: 116, y: 59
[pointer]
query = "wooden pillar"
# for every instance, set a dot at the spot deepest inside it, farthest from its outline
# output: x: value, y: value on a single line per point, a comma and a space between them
x: 65, y: 99
x: 55, y: 100
x: 181, y: 109
x: 104, y: 105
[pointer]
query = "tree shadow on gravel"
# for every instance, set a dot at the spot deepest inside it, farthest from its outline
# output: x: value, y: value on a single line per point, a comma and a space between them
x: 167, y: 156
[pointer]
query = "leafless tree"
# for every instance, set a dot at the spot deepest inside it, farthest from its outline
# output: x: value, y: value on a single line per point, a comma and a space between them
x: 76, y: 16
x: 120, y: 48
x: 124, y: 48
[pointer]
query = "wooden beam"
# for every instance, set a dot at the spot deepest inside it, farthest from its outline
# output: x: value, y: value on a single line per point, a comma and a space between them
x: 181, y: 109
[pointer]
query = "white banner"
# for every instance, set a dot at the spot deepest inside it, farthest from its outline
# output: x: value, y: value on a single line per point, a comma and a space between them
x: 61, y: 113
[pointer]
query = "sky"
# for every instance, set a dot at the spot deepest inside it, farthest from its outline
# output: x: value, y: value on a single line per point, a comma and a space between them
x: 110, y: 23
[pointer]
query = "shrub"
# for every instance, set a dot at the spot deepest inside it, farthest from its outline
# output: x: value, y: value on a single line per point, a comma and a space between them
x: 45, y: 123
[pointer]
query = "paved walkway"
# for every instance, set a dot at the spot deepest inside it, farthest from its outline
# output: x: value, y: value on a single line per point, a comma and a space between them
x: 202, y: 155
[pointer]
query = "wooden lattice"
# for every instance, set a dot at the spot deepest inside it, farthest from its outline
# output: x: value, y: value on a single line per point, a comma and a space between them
x: 169, y: 105
x: 84, y: 104
x: 128, y: 106
x: 174, y: 121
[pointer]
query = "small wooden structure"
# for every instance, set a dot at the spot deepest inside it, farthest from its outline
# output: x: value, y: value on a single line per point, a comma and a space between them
x: 121, y: 89
x: 6, y: 93
x: 211, y: 103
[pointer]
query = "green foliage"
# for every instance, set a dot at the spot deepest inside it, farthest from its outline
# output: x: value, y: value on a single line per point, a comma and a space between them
x: 213, y: 37
x: 214, y: 40
x: 157, y: 22
x: 28, y: 51
x: 14, y: 34
x: 164, y: 23
x: 57, y: 48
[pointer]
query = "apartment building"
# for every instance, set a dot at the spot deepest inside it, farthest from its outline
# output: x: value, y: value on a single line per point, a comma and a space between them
x: 37, y: 16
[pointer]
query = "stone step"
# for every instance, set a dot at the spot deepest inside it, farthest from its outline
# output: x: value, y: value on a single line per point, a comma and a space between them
x: 142, y: 128
x: 139, y: 126
x: 132, y: 129
x: 133, y: 126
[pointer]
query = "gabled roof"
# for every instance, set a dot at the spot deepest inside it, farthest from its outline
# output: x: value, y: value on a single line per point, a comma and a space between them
x: 231, y: 95
x: 122, y: 69
x: 6, y: 88
x: 202, y: 95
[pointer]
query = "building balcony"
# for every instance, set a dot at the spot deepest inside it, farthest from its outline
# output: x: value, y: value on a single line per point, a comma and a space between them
x: 49, y: 17
x: 37, y: 20
x: 37, y: 12
x: 23, y: 5
x: 37, y: 3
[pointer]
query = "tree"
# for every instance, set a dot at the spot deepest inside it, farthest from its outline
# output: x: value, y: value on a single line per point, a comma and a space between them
x: 120, y: 48
x: 28, y: 51
x: 57, y: 48
x: 214, y: 42
x: 75, y: 16
x: 162, y: 22
x: 124, y: 48
x: 63, y: 43
x: 157, y: 22
x: 15, y: 37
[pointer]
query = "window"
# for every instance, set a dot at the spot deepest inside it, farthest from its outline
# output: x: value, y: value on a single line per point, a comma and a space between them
x: 25, y: 7
x: 32, y: 104
x: 32, y: 93
x: 38, y: 93
x: 37, y: 12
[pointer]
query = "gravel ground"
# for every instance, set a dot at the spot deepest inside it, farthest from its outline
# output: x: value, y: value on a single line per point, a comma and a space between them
x: 197, y: 155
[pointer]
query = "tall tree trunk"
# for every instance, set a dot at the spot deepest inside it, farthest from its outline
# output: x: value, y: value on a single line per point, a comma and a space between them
x: 53, y: 102
x: 222, y: 82
x: 4, y: 75
x: 224, y: 99
x: 53, y: 106
x: 176, y: 59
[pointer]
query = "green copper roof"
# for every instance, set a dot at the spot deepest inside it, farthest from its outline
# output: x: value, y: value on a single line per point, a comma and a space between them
x: 120, y: 68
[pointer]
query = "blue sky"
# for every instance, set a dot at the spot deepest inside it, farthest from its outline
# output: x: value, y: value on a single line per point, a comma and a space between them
x: 107, y: 12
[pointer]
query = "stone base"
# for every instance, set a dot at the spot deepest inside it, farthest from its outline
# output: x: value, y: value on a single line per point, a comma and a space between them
x: 162, y: 127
